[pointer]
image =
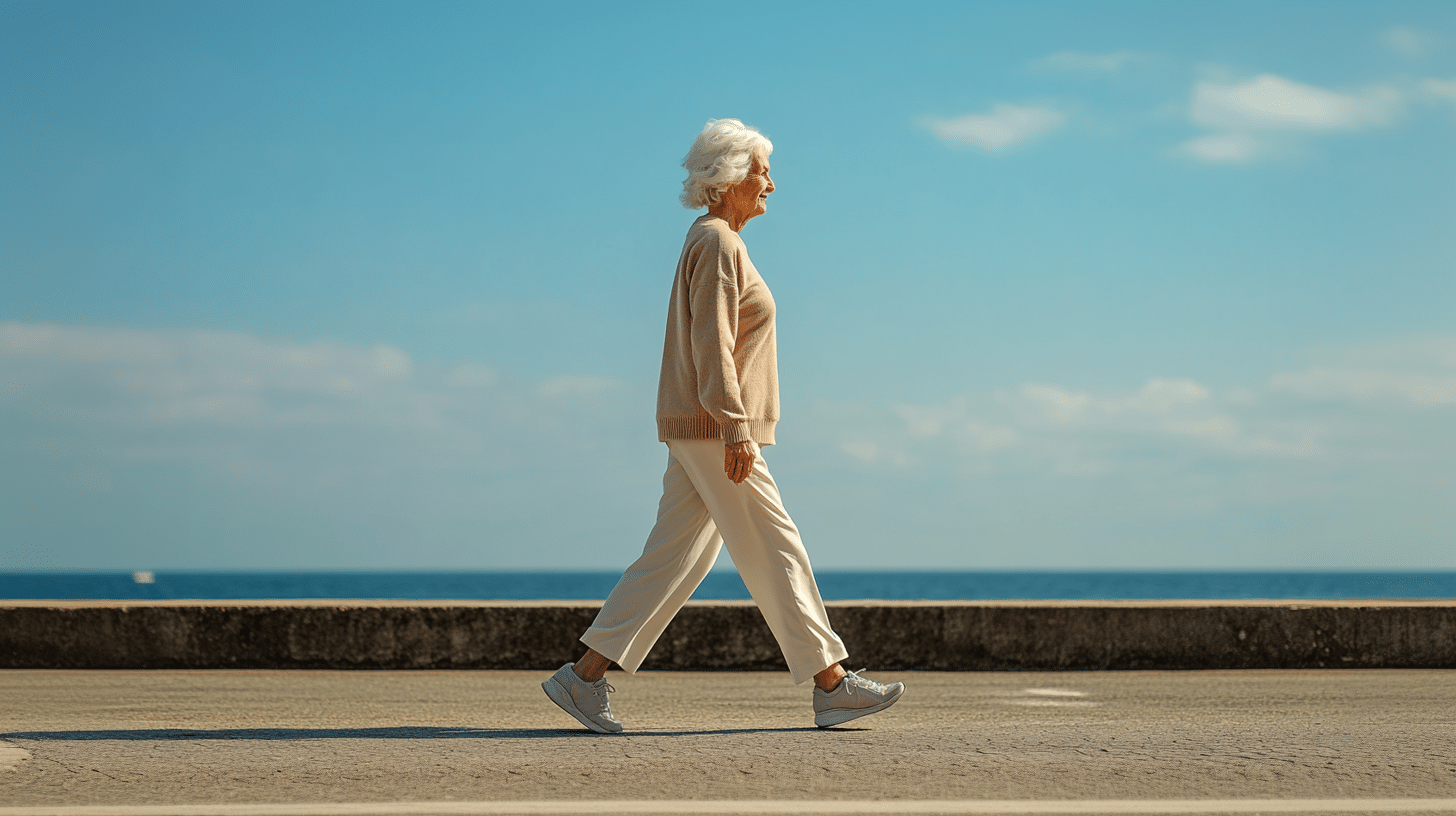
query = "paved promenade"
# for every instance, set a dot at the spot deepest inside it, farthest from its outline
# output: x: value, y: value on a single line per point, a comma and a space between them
x: 275, y: 742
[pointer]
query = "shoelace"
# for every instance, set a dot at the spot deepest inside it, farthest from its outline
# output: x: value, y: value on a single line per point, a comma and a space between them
x: 868, y: 684
x: 601, y: 692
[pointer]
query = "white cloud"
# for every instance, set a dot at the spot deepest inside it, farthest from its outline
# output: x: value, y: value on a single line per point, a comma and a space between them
x: 1305, y: 468
x: 1004, y: 127
x: 234, y: 379
x: 1375, y: 402
x: 226, y: 441
x: 1158, y: 397
x: 952, y: 422
x: 1168, y: 411
x: 1408, y: 41
x: 1054, y: 430
x: 234, y: 358
x: 1413, y: 373
x: 220, y: 377
x: 862, y: 450
x: 947, y: 425
x: 1049, y: 403
x: 1358, y: 385
x: 1443, y: 90
x: 1081, y: 62
x: 1270, y: 102
x: 1162, y: 396
x: 472, y: 375
x: 1434, y: 353
x: 874, y: 453
x: 1264, y: 117
x: 1226, y: 148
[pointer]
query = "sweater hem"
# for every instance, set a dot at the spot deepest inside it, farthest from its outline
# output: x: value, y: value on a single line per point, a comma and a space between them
x: 702, y: 426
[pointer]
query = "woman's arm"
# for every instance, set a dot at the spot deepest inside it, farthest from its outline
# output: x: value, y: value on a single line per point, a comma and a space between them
x: 714, y: 286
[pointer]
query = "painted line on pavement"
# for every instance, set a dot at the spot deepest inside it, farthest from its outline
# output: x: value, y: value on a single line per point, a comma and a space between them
x: 699, y: 806
x: 11, y: 755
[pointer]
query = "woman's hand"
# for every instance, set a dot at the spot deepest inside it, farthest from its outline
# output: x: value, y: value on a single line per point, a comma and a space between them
x: 738, y: 459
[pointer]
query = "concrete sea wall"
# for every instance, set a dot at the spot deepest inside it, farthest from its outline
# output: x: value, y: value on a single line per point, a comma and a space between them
x: 725, y: 635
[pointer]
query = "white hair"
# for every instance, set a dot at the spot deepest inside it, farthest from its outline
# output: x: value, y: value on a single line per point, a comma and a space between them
x: 720, y: 157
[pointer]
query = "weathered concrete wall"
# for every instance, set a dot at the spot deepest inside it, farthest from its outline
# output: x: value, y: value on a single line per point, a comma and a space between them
x: 1011, y: 635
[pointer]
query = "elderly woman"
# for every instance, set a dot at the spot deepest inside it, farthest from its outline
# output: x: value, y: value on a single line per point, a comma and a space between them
x: 717, y: 404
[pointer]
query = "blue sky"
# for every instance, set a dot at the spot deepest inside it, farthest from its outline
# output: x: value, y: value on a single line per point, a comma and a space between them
x: 1060, y: 285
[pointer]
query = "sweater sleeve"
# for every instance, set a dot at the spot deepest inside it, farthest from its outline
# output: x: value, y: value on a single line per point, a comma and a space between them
x: 714, y: 288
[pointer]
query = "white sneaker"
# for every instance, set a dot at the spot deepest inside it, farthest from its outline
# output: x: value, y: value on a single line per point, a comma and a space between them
x: 587, y: 702
x: 854, y: 697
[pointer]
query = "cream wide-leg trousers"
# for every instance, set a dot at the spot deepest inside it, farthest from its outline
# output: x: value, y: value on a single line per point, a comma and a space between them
x: 701, y: 510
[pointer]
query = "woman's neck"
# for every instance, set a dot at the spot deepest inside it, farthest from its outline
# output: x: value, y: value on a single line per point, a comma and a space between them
x: 735, y: 220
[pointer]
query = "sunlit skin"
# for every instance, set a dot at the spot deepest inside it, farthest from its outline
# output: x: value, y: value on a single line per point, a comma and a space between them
x: 745, y: 200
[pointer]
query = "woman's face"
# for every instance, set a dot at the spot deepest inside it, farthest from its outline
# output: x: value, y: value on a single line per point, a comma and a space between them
x: 749, y: 198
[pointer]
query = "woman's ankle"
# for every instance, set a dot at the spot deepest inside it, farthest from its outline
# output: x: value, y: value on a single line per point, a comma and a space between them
x: 829, y: 679
x: 591, y: 667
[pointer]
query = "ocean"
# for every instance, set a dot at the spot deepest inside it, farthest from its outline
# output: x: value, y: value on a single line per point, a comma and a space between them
x: 726, y: 585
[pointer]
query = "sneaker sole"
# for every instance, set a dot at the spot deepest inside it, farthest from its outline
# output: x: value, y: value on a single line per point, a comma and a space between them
x: 840, y: 716
x: 560, y: 696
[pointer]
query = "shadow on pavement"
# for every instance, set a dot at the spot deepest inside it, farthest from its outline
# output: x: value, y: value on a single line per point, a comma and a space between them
x: 398, y: 732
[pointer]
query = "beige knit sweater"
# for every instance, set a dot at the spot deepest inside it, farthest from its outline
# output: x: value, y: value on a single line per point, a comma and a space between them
x: 720, y: 374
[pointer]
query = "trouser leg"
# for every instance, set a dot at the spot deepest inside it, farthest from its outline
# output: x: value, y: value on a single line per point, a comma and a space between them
x: 680, y: 550
x: 769, y: 554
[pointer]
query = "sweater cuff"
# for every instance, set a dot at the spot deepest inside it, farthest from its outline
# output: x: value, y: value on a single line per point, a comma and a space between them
x: 736, y: 431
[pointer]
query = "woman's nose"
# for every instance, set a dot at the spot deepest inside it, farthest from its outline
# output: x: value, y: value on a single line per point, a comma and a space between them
x: 770, y: 184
